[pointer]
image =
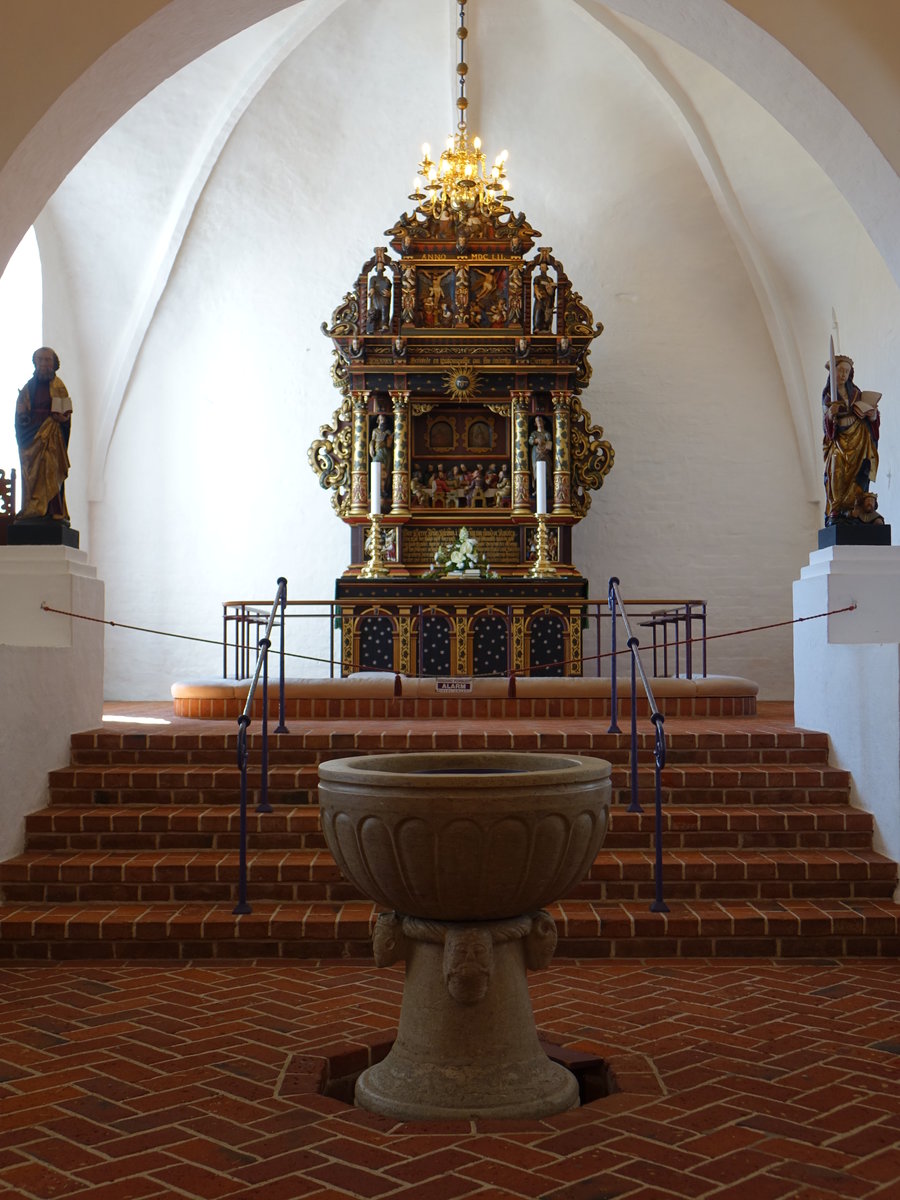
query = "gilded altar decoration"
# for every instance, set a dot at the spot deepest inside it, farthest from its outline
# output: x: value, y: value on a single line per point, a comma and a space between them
x: 461, y: 356
x: 489, y: 350
x: 461, y: 557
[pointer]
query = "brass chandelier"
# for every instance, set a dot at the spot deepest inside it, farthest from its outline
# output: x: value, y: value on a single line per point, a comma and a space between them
x: 460, y: 182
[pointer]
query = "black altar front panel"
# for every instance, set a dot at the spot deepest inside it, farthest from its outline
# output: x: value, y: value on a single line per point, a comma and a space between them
x: 471, y: 627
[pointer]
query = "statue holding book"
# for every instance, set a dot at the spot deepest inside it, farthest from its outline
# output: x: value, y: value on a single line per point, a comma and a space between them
x: 851, y: 421
x: 43, y: 423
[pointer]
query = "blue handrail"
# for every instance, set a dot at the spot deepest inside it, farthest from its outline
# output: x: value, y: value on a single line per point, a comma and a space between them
x: 262, y: 667
x: 659, y: 752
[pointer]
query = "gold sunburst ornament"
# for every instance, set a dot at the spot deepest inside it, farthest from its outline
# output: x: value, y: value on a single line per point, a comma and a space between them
x: 460, y: 182
x: 461, y: 382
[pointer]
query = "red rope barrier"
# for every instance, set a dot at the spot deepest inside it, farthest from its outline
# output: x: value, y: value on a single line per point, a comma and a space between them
x: 565, y: 662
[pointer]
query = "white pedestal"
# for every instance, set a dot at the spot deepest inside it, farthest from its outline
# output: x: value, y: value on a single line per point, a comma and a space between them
x: 847, y: 672
x: 867, y: 576
x: 52, y: 671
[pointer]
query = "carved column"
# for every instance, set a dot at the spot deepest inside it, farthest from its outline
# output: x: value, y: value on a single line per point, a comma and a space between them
x: 404, y: 636
x: 562, y: 453
x: 461, y: 632
x: 521, y: 474
x: 359, y: 482
x: 575, y: 666
x: 348, y: 629
x: 517, y: 657
x: 400, y: 472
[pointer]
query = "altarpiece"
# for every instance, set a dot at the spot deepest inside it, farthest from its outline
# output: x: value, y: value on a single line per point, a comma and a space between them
x: 461, y: 355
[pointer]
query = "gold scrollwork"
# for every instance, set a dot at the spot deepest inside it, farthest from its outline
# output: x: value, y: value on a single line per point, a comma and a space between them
x: 330, y: 456
x: 579, y: 318
x: 592, y: 458
x: 344, y: 319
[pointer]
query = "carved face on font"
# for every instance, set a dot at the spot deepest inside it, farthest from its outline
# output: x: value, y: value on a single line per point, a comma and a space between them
x: 468, y: 964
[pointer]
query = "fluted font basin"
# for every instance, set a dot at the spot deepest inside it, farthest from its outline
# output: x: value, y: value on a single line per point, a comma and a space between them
x: 464, y: 836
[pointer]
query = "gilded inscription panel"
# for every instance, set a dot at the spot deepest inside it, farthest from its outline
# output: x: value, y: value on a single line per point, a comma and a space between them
x: 500, y: 545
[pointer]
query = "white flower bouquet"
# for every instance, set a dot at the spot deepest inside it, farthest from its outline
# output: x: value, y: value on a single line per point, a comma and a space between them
x: 460, y: 557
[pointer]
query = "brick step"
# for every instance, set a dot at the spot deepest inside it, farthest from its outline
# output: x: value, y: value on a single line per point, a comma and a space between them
x: 791, y: 928
x: 321, y: 740
x: 738, y: 784
x: 134, y: 827
x: 296, y: 875
x: 169, y: 827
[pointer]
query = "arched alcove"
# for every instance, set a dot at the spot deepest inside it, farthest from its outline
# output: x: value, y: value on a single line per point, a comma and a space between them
x: 196, y: 248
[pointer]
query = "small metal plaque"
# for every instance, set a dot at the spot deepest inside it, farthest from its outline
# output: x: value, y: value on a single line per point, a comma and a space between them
x: 457, y: 684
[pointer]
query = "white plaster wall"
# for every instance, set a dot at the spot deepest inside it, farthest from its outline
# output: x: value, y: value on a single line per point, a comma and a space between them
x: 207, y: 494
x: 828, y: 275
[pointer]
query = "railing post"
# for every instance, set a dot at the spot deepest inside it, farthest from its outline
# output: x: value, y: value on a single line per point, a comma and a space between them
x: 659, y: 754
x: 420, y: 643
x: 613, y: 677
x: 264, y: 805
x: 689, y: 628
x: 635, y: 806
x: 599, y: 637
x: 282, y: 587
x: 242, y: 906
x: 703, y: 627
x: 332, y: 610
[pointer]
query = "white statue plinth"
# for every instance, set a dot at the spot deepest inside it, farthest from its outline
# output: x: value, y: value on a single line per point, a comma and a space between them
x: 52, y: 671
x: 847, y: 672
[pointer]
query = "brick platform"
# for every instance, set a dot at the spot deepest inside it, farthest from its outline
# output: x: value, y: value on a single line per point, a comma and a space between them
x: 136, y: 854
x: 401, y: 698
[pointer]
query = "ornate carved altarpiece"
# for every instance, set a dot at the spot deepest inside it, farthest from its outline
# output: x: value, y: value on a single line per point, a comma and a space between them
x: 459, y: 359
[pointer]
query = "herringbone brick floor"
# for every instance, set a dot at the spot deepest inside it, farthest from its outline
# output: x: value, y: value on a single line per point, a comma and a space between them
x: 769, y: 1080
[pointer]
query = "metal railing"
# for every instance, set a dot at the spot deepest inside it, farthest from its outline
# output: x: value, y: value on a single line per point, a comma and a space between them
x: 673, y: 623
x: 656, y: 717
x: 244, y: 720
x: 243, y: 619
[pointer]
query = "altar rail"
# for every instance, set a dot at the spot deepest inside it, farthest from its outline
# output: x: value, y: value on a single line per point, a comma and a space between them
x: 333, y: 634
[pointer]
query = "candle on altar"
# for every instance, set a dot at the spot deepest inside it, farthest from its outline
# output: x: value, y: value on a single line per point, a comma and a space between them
x: 540, y: 487
x: 375, y: 487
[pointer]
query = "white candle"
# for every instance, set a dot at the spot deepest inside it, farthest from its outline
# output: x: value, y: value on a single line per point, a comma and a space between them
x: 375, y: 499
x: 540, y: 486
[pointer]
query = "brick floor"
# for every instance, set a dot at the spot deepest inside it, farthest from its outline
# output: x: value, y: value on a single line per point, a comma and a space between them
x: 769, y: 1079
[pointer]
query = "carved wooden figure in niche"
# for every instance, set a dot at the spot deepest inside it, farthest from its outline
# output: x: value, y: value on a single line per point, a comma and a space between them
x: 378, y: 317
x: 380, y: 444
x: 541, y: 442
x: 544, y: 291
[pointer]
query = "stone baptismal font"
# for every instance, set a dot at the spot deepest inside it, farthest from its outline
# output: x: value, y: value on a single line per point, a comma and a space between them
x: 465, y: 850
